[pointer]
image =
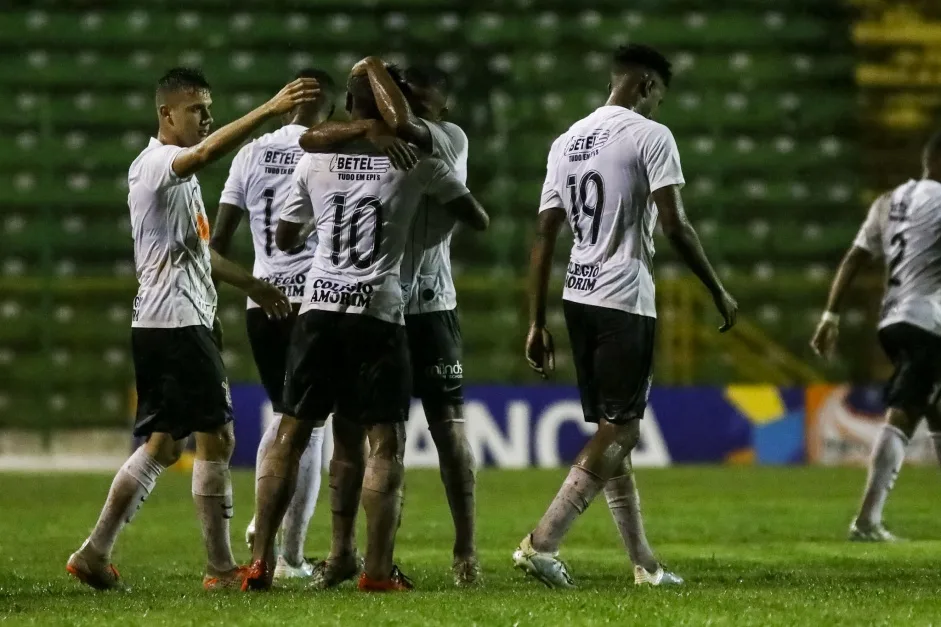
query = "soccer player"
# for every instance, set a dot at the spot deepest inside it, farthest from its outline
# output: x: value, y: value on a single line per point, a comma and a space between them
x: 349, y: 350
x: 259, y: 183
x: 181, y: 382
x: 903, y: 227
x: 610, y: 175
x: 431, y: 321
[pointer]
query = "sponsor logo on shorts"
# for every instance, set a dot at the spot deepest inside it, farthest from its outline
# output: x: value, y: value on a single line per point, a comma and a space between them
x: 442, y: 370
x: 292, y: 285
x: 581, y: 277
x: 228, y: 393
x: 338, y: 293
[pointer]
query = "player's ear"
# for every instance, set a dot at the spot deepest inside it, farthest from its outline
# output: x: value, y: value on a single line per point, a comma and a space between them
x: 163, y: 112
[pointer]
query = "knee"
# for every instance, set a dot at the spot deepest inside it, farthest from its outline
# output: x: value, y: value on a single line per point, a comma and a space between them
x: 164, y: 449
x: 906, y: 420
x: 387, y: 442
x: 216, y: 446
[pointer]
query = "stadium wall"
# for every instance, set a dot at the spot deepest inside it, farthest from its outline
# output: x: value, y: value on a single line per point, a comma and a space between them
x: 542, y: 426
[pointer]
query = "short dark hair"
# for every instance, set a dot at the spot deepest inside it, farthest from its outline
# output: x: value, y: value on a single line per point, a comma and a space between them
x: 183, y: 79
x: 644, y: 56
x: 327, y: 85
x: 428, y: 77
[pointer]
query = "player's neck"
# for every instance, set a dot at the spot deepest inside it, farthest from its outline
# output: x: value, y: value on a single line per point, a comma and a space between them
x: 169, y: 139
x: 616, y: 99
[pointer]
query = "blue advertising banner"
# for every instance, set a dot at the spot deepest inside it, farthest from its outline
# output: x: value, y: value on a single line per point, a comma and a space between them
x: 542, y: 425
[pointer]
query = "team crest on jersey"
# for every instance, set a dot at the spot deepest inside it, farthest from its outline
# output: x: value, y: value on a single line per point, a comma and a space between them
x: 359, y: 167
x: 584, y: 147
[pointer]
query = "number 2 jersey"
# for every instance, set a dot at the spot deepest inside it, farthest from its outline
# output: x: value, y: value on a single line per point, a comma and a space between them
x: 602, y: 172
x: 904, y: 227
x: 260, y: 182
x: 363, y: 211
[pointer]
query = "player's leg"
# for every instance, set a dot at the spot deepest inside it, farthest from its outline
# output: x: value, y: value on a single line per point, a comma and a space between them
x: 132, y: 485
x: 346, y: 482
x: 623, y: 500
x: 291, y: 562
x: 435, y: 345
x: 906, y: 395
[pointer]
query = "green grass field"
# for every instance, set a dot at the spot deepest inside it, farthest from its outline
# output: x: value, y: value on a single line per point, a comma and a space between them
x: 758, y: 546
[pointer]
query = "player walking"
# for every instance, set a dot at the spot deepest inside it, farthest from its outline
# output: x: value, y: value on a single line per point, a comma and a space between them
x: 904, y: 228
x: 181, y: 382
x: 431, y: 322
x: 349, y: 351
x: 610, y: 174
x: 259, y: 183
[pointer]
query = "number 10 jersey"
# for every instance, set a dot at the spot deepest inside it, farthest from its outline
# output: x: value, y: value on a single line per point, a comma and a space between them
x: 260, y: 182
x: 602, y: 172
x: 363, y: 211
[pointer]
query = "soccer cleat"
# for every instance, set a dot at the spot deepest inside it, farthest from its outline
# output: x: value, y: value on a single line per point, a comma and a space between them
x: 257, y: 577
x: 231, y: 579
x: 99, y: 574
x: 873, y: 533
x: 331, y: 572
x: 546, y: 567
x: 660, y: 578
x: 397, y: 582
x: 466, y: 572
x: 250, y: 535
x: 284, y: 570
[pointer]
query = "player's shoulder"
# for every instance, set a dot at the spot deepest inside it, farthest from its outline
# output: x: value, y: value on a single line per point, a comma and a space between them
x: 450, y: 129
x: 153, y: 150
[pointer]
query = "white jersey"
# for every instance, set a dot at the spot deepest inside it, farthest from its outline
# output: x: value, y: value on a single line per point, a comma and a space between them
x: 602, y: 172
x: 904, y: 228
x: 260, y: 182
x: 171, y: 243
x: 363, y: 210
x: 428, y: 254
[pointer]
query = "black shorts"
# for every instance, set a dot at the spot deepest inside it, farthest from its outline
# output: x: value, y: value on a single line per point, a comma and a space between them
x: 181, y: 382
x: 269, y: 340
x: 916, y: 356
x: 613, y: 355
x: 350, y: 364
x: 434, y: 341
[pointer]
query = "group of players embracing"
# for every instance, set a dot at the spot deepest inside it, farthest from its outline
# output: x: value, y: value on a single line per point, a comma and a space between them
x: 351, y: 311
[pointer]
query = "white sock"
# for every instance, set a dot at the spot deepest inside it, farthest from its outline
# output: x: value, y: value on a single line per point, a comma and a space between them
x: 887, y: 457
x: 212, y: 494
x: 130, y: 488
x: 301, y: 508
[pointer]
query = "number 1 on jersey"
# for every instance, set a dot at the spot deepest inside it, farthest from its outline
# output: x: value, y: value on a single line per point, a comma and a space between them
x: 578, y: 193
x: 268, y: 195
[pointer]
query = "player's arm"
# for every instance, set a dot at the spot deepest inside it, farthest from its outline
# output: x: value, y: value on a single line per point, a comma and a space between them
x: 393, y: 106
x: 540, y: 349
x: 331, y: 136
x: 684, y: 239
x: 191, y: 160
x: 274, y: 303
x: 296, y: 220
x: 228, y: 219
x: 864, y: 249
x: 467, y: 210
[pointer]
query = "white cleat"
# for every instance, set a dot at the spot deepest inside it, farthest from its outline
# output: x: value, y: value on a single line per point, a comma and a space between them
x: 660, y: 578
x: 283, y: 570
x: 250, y: 535
x: 873, y: 533
x: 546, y: 567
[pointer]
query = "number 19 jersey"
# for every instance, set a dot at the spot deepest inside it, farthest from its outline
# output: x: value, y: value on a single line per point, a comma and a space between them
x: 602, y: 172
x: 260, y: 182
x: 363, y: 210
x: 904, y: 227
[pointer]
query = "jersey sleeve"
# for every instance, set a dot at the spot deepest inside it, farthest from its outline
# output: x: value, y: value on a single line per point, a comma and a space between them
x: 442, y: 184
x: 234, y: 191
x: 551, y: 195
x: 299, y: 207
x: 869, y: 237
x: 660, y: 155
x: 156, y: 168
x: 448, y: 142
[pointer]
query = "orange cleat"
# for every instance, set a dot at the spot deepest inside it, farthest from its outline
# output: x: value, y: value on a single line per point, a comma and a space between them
x: 231, y: 579
x: 100, y: 576
x: 397, y: 582
x: 257, y: 577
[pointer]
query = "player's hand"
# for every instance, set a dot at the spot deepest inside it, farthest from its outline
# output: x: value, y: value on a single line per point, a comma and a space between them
x: 401, y: 155
x: 217, y: 332
x: 728, y: 308
x: 272, y: 300
x: 824, y: 340
x: 294, y: 93
x: 540, y: 350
